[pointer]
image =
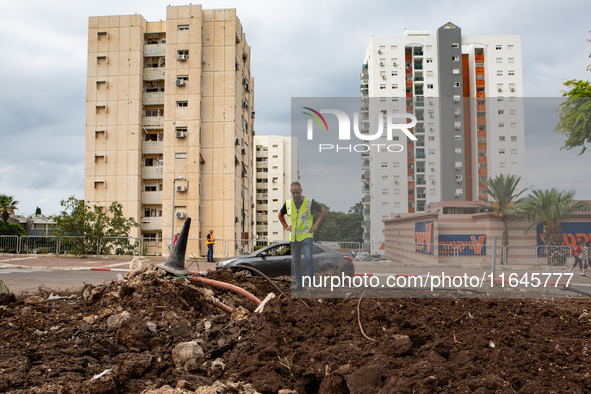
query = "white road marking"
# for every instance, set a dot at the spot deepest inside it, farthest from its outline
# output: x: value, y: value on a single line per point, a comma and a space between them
x: 22, y: 258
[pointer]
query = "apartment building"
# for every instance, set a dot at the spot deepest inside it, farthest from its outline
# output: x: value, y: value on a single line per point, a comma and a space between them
x: 466, y: 94
x: 169, y: 122
x: 276, y: 163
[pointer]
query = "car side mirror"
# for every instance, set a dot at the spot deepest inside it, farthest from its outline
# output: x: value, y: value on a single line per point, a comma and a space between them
x: 263, y: 254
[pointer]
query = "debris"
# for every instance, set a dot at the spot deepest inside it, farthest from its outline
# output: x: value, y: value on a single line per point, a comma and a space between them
x: 100, y: 375
x: 260, y: 308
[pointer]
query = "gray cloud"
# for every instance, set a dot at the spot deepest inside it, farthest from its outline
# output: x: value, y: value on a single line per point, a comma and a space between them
x: 300, y: 49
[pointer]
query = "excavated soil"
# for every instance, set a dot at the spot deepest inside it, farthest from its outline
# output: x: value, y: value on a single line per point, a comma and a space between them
x: 130, y: 337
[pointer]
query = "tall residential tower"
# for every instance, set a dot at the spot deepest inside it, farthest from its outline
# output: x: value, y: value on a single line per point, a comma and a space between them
x: 466, y: 93
x: 169, y: 117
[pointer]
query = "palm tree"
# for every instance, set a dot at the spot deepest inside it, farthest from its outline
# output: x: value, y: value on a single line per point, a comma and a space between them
x: 549, y: 207
x: 7, y: 206
x: 503, y: 190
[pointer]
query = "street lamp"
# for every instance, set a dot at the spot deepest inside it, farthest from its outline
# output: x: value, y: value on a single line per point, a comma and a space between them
x: 180, y: 178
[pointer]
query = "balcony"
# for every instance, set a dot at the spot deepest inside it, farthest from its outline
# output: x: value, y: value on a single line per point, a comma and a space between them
x: 366, y: 199
x: 153, y: 98
x: 152, y: 198
x: 420, y: 169
x: 153, y: 121
x: 418, y: 67
x: 480, y: 108
x: 422, y: 196
x: 262, y: 196
x: 481, y: 133
x: 479, y: 57
x: 479, y: 70
x: 420, y: 156
x: 408, y: 58
x: 154, y: 50
x: 420, y: 143
x: 481, y: 121
x: 262, y: 218
x: 482, y: 172
x: 480, y: 83
x: 262, y: 164
x: 151, y: 223
x: 262, y: 228
x: 420, y: 130
x: 408, y: 83
x: 417, y: 53
x: 480, y: 94
x: 153, y: 74
x: 154, y: 172
x: 482, y: 147
x: 152, y: 147
x: 419, y: 78
x: 421, y: 182
x: 419, y: 92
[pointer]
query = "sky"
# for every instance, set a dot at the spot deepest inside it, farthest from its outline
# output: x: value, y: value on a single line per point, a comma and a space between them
x: 299, y: 49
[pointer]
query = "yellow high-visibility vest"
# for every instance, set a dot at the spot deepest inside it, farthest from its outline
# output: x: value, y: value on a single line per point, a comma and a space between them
x: 210, y: 240
x: 301, y: 220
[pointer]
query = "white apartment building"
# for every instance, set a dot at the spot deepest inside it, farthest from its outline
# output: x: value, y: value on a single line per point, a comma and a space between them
x: 276, y: 163
x: 466, y: 93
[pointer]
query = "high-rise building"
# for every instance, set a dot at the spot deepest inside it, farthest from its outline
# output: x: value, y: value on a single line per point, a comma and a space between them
x: 466, y: 94
x: 169, y: 122
x: 276, y: 162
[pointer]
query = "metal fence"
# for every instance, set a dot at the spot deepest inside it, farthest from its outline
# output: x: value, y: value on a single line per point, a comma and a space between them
x: 224, y: 248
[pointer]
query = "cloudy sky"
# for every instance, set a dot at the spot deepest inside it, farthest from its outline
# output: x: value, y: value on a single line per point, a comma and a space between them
x: 299, y: 49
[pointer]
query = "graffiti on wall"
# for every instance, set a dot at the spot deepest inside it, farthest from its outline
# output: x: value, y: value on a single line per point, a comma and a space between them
x: 424, y: 237
x: 465, y: 244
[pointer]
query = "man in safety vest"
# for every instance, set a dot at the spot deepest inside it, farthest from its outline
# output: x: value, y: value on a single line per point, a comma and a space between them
x: 304, y: 216
x: 210, y: 242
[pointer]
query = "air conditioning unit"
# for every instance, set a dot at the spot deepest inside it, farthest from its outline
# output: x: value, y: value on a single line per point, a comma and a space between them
x: 456, y: 99
x: 243, y: 151
x: 456, y: 114
x: 181, y: 134
x: 459, y: 179
x: 180, y: 214
x: 180, y: 82
x: 512, y: 89
x: 457, y: 127
x: 383, y: 77
x: 396, y: 182
x: 382, y: 64
x: 181, y: 188
x: 457, y: 194
x: 236, y: 141
x: 432, y: 182
x: 395, y: 64
x: 181, y: 56
x: 458, y: 167
x: 500, y: 90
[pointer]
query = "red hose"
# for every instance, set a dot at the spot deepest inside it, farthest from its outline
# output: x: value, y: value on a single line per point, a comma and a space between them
x: 227, y: 286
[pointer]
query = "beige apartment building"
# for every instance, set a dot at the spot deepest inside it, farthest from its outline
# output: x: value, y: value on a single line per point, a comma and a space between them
x: 277, y: 166
x: 169, y: 118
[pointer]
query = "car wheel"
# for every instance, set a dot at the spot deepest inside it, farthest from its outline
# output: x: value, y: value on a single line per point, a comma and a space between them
x: 246, y: 272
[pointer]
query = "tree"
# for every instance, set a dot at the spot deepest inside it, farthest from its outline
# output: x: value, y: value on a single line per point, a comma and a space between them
x: 575, y: 115
x: 549, y: 207
x: 7, y: 206
x: 11, y: 229
x: 97, y: 230
x: 340, y: 226
x: 503, y: 190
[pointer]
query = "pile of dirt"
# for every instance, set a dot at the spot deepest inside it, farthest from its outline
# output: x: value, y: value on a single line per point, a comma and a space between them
x: 153, y: 334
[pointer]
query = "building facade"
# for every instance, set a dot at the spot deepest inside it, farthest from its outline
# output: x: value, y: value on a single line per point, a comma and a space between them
x: 466, y: 94
x: 276, y: 163
x: 169, y: 118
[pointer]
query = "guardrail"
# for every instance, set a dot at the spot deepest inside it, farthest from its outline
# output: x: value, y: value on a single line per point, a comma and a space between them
x: 224, y: 248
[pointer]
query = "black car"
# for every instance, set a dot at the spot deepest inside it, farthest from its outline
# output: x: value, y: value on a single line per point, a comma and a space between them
x: 275, y: 260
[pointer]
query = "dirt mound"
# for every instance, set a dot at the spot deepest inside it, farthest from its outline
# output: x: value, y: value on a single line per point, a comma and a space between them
x: 154, y: 334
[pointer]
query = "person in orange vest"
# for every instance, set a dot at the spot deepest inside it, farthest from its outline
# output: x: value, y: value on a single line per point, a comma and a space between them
x: 210, y: 242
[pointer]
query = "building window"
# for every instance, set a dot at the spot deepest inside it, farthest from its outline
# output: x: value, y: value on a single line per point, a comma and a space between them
x: 455, y: 71
x: 458, y: 137
x: 275, y: 146
x: 456, y: 84
x: 429, y: 60
x: 499, y: 73
x: 502, y: 164
x: 458, y: 150
x: 501, y: 138
x: 499, y: 47
x: 382, y: 86
x: 455, y: 58
x: 395, y: 86
x: 511, y: 60
x: 501, y: 151
x: 513, y: 151
x: 499, y: 60
x: 455, y: 45
x: 501, y: 111
x: 501, y: 124
x: 429, y: 86
x: 183, y: 27
x: 394, y: 73
x: 513, y: 138
x: 511, y: 72
x: 384, y: 164
x: 182, y: 103
x: 182, y: 155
